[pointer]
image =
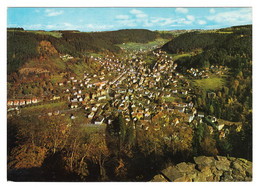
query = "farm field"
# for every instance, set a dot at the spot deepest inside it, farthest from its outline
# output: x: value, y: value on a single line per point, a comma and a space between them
x: 143, y: 46
x: 212, y: 83
x: 45, y: 106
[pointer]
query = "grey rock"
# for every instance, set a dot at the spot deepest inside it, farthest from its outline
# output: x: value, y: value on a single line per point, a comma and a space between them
x: 249, y: 169
x: 226, y: 169
x: 216, y: 172
x: 206, y: 171
x: 248, y: 179
x: 200, y: 178
x: 236, y: 165
x: 159, y: 178
x: 185, y: 167
x: 183, y: 179
x: 231, y: 158
x: 216, y: 178
x: 210, y: 178
x: 238, y: 175
x: 192, y: 174
x: 203, y: 161
x: 222, y: 158
x: 223, y: 165
x: 173, y: 173
x: 227, y: 176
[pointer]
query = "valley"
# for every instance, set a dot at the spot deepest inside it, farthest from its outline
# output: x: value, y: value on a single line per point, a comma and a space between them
x: 124, y: 105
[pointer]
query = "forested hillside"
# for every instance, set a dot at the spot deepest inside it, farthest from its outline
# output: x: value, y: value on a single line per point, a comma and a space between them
x: 191, y: 41
x: 230, y: 47
x: 231, y: 39
x: 22, y: 45
x: 208, y: 50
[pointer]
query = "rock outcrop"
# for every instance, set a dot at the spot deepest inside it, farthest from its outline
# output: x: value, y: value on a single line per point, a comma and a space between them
x: 208, y: 169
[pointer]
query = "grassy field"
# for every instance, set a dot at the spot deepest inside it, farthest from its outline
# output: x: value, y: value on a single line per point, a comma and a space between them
x: 45, y: 107
x: 80, y: 68
x: 229, y: 123
x: 92, y: 129
x: 188, y: 54
x: 59, y: 63
x: 217, y: 31
x: 144, y: 46
x: 169, y: 99
x: 96, y: 55
x: 54, y: 34
x: 222, y: 32
x: 176, y: 57
x: 212, y: 83
x: 57, y: 78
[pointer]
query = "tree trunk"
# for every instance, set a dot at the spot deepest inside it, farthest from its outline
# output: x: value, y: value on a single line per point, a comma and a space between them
x: 72, y: 155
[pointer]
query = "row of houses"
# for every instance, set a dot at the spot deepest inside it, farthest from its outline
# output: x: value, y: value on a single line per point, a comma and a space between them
x: 20, y: 102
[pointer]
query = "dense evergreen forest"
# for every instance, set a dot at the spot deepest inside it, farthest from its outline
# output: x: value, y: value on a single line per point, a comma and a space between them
x: 22, y: 45
x: 230, y: 39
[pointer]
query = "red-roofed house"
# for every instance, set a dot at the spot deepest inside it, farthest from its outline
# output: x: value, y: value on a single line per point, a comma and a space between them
x: 10, y: 103
x: 34, y: 100
x: 28, y: 101
x: 22, y: 102
x: 16, y: 102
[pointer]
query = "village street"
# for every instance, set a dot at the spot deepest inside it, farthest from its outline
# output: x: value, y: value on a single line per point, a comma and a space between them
x: 128, y: 86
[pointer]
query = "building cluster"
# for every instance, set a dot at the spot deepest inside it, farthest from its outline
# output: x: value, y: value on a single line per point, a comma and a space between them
x: 21, y: 102
x: 217, y: 70
x: 142, y: 94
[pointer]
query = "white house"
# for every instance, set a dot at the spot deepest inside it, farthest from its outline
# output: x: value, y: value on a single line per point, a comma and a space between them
x: 22, y: 102
x: 9, y: 103
x: 184, y: 92
x: 201, y: 114
x: 91, y: 115
x: 102, y: 97
x: 74, y: 100
x: 191, y: 117
x: 94, y: 109
x: 74, y: 105
x: 34, y: 100
x: 180, y: 109
x: 99, y: 120
x: 220, y: 126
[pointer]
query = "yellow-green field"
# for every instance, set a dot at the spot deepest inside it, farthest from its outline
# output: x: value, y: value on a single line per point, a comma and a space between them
x: 143, y: 46
x: 169, y: 99
x: 56, y: 78
x: 45, y: 107
x: 213, y: 83
x: 54, y: 34
x: 176, y: 57
x: 187, y: 54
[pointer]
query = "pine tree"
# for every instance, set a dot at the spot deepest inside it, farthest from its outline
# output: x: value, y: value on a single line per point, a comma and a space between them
x: 122, y: 127
x: 211, y: 109
x: 197, y: 139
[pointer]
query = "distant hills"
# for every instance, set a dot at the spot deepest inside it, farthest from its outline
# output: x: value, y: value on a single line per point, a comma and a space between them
x: 206, y: 39
x: 22, y: 45
x: 226, y: 46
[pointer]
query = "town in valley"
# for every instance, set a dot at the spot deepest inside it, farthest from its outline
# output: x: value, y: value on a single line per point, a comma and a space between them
x: 129, y: 105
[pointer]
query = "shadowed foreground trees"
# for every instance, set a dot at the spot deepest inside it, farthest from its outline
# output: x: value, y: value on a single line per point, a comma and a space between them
x: 63, y: 152
x: 37, y: 140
